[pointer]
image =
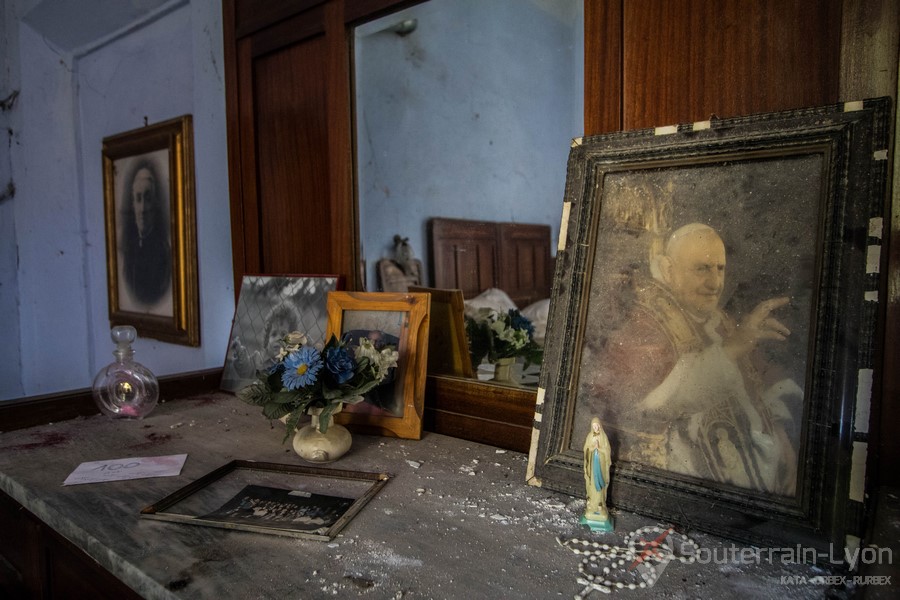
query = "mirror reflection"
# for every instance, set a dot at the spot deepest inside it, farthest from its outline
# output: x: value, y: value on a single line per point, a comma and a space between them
x: 465, y: 112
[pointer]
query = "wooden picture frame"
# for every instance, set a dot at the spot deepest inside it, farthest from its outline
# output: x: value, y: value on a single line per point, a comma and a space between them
x: 642, y: 325
x: 395, y: 408
x: 448, y: 348
x: 268, y: 308
x: 151, y: 232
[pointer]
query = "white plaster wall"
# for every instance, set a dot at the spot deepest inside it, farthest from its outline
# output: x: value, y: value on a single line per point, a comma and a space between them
x: 49, y: 225
x: 10, y: 362
x: 165, y: 66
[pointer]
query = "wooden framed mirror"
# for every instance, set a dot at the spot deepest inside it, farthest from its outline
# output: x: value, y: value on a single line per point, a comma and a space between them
x: 464, y: 114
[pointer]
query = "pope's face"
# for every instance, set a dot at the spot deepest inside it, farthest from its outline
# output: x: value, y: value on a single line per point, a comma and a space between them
x: 697, y: 272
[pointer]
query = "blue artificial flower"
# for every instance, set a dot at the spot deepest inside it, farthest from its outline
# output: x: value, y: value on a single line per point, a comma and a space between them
x: 340, y: 363
x: 519, y: 321
x: 301, y: 368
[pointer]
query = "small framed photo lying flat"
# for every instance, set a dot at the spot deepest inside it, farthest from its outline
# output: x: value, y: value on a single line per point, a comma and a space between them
x: 715, y: 306
x: 401, y: 320
x: 286, y: 500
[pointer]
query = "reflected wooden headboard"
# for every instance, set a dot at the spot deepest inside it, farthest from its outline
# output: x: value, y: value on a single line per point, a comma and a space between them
x: 476, y: 255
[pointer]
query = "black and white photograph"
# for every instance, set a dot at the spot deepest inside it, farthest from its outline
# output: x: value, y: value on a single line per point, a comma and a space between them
x: 268, y: 308
x: 144, y: 235
x: 151, y: 232
x: 290, y: 509
x: 272, y: 498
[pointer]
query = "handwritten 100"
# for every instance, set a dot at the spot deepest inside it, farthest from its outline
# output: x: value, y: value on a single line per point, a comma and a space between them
x: 116, y: 466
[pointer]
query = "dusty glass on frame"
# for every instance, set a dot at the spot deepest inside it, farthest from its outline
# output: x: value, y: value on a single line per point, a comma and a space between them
x: 269, y: 307
x: 271, y: 498
x: 714, y: 304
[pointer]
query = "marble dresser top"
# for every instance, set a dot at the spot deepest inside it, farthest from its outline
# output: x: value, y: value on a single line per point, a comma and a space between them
x: 456, y: 520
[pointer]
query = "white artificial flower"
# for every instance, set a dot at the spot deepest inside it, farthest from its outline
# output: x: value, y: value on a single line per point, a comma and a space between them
x: 387, y: 359
x: 367, y: 349
x: 296, y: 338
x: 381, y: 361
x: 291, y: 343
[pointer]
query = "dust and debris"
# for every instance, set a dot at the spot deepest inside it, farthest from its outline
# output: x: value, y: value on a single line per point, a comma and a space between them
x: 414, y: 464
x: 467, y: 470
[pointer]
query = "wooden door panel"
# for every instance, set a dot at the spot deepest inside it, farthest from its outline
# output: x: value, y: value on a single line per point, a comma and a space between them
x: 687, y: 60
x: 292, y: 158
x: 525, y: 253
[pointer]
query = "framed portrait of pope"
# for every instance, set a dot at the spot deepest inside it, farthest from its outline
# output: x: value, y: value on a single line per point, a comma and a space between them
x: 715, y: 302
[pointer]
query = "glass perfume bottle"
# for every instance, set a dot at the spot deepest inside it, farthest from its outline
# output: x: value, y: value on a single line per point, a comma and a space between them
x: 125, y: 388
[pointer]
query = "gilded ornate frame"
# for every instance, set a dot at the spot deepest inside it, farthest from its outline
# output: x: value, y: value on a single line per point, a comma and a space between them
x: 169, y: 310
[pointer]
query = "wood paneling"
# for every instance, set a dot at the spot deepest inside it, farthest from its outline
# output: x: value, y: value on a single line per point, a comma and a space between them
x: 474, y: 256
x: 463, y: 254
x: 727, y: 58
x: 290, y: 156
x: 602, y: 66
x: 40, y: 410
x: 37, y: 562
x: 526, y: 269
x: 495, y: 415
x: 292, y: 159
x: 690, y: 60
x: 254, y: 15
x: 344, y: 248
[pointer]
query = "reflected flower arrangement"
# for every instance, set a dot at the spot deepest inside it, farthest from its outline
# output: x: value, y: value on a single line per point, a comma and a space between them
x: 496, y: 334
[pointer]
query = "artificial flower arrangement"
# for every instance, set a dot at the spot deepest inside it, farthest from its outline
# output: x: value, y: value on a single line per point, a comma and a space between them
x: 304, y: 377
x: 501, y: 334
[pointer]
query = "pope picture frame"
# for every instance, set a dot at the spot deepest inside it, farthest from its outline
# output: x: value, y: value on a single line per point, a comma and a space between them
x: 715, y: 304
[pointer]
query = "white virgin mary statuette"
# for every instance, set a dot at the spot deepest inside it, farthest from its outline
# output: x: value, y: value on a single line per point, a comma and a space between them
x: 597, y: 459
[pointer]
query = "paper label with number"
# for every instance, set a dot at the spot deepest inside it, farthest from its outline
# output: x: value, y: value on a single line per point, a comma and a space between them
x: 121, y: 469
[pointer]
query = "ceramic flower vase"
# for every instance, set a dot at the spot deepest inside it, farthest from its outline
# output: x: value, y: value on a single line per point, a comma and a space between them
x: 316, y: 447
x: 503, y: 370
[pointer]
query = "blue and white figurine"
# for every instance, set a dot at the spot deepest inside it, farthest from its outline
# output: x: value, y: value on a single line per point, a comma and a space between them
x: 597, y: 459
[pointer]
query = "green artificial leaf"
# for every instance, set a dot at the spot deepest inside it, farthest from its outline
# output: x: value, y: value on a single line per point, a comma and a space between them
x: 294, y: 417
x: 285, y: 397
x: 479, y: 336
x: 275, y: 410
x: 325, y: 416
x: 273, y: 379
x: 255, y: 393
